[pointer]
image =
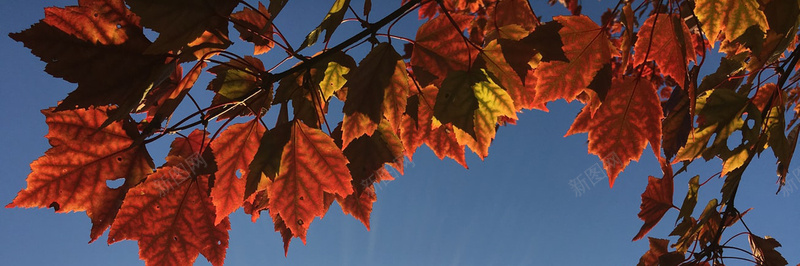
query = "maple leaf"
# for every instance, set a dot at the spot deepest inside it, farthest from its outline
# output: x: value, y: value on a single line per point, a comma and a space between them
x: 512, y: 12
x: 297, y: 192
x: 72, y: 175
x: 764, y: 250
x: 440, y: 48
x: 267, y: 160
x: 328, y: 24
x: 456, y: 102
x: 732, y: 18
x: 171, y: 214
x: 256, y: 27
x: 180, y: 22
x: 359, y: 205
x: 587, y: 48
x: 162, y: 101
x: 493, y: 103
x: 659, y: 254
x: 656, y: 201
x: 377, y: 88
x: 666, y: 40
x: 623, y: 125
x: 417, y: 129
x: 368, y: 154
x: 81, y: 43
x: 234, y: 149
x: 235, y: 83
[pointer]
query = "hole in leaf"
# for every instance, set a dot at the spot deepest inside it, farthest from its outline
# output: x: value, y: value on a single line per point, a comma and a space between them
x: 96, y: 15
x: 219, y: 242
x: 115, y: 183
x: 55, y: 206
x: 301, y: 198
x: 299, y: 221
x: 238, y: 173
x: 751, y: 123
x: 119, y: 26
x: 175, y: 238
x: 119, y: 158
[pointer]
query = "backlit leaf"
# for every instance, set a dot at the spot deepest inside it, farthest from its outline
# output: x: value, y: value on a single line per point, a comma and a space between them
x: 171, y: 214
x: 624, y: 124
x: 764, y: 250
x: 310, y: 165
x: 440, y: 48
x: 656, y: 201
x: 254, y: 26
x: 660, y: 40
x: 72, y: 175
x: 234, y: 149
x: 328, y: 24
x: 729, y: 17
x: 587, y: 48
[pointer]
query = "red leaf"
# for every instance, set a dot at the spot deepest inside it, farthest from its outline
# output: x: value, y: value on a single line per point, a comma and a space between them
x: 440, y: 48
x: 72, y: 175
x: 171, y: 214
x: 624, y: 124
x: 254, y: 27
x: 587, y: 47
x: 296, y: 195
x: 656, y: 201
x: 671, y: 48
x: 359, y: 205
x: 234, y: 149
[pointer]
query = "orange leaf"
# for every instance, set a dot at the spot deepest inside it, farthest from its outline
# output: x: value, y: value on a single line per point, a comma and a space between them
x: 310, y: 165
x: 656, y: 201
x: 254, y: 27
x: 234, y: 149
x: 234, y: 82
x: 377, y: 88
x: 359, y: 205
x: 368, y: 154
x: 587, y: 47
x: 171, y: 214
x: 670, y: 47
x: 624, y: 124
x: 72, y: 175
x: 440, y: 48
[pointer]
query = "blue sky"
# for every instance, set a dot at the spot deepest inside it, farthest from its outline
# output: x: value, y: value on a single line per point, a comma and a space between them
x: 513, y: 208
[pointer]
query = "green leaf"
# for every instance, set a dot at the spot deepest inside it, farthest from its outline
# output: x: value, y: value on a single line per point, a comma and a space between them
x: 690, y: 201
x: 328, y: 24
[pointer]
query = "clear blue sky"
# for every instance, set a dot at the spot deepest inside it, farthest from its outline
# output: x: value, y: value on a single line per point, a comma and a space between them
x: 514, y: 208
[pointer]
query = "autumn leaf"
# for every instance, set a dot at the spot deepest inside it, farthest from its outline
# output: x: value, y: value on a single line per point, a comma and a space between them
x: 296, y: 195
x: 729, y: 17
x: 171, y: 214
x: 512, y: 12
x: 377, y: 88
x: 162, y: 101
x: 417, y: 130
x: 656, y: 201
x: 587, y: 49
x: 440, y: 48
x: 659, y: 254
x: 623, y: 125
x: 234, y: 149
x: 255, y: 27
x: 359, y: 205
x: 493, y: 103
x: 666, y: 40
x: 72, y: 175
x: 235, y: 84
x: 79, y: 47
x: 456, y: 102
x: 180, y: 22
x: 368, y: 154
x: 764, y: 250
x: 328, y: 24
x: 267, y: 159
